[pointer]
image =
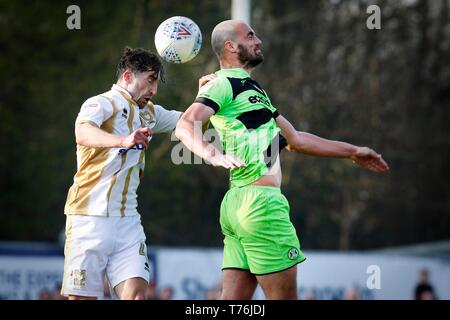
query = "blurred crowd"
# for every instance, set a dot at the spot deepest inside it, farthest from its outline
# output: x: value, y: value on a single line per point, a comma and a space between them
x: 423, y: 290
x: 153, y: 293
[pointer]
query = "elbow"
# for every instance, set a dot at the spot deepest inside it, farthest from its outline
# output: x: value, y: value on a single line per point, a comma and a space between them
x: 182, y: 129
x: 296, y: 144
x: 79, y: 139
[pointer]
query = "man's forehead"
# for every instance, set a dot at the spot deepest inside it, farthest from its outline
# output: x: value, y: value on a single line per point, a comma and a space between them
x: 146, y: 74
x: 245, y: 29
x: 151, y: 74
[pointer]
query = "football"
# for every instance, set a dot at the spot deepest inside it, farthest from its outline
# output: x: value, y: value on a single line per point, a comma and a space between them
x: 178, y: 39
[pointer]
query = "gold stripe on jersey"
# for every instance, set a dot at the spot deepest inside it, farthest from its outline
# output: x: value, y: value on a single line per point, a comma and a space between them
x: 129, y: 100
x: 127, y: 180
x: 141, y: 159
x: 113, y: 181
x: 114, y: 178
x: 90, y: 171
x: 148, y: 115
x: 131, y: 117
x: 125, y: 191
x: 151, y: 108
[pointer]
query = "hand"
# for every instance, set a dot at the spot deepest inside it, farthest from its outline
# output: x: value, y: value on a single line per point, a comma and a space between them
x: 225, y: 161
x: 139, y: 136
x: 369, y: 159
x: 205, y: 79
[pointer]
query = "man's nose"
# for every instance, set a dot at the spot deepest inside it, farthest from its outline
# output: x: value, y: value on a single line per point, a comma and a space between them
x: 153, y: 90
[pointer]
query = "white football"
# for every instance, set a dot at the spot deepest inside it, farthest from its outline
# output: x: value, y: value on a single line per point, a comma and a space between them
x: 178, y: 39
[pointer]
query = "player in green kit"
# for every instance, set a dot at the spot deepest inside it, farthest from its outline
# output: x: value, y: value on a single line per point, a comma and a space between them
x: 260, y: 242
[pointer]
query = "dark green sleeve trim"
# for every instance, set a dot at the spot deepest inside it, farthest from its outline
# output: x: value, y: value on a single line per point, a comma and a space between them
x: 208, y: 102
x: 275, y: 114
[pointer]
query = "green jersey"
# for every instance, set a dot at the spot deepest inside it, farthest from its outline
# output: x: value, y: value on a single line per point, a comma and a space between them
x: 245, y: 121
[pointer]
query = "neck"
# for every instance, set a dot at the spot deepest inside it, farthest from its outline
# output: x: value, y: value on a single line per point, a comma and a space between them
x: 231, y: 64
x: 122, y: 84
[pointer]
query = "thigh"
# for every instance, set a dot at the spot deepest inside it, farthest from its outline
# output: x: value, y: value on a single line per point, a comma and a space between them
x: 132, y: 289
x: 233, y: 253
x: 268, y: 236
x: 238, y: 285
x: 86, y: 254
x: 280, y: 285
x: 129, y: 259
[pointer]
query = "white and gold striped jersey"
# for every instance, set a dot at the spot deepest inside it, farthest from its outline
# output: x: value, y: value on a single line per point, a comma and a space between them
x: 107, y: 178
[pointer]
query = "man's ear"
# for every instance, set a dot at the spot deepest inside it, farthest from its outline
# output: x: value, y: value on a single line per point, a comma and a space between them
x: 230, y: 46
x: 128, y: 76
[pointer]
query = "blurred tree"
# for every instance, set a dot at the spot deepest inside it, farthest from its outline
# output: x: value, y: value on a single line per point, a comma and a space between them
x: 386, y: 88
x: 330, y: 75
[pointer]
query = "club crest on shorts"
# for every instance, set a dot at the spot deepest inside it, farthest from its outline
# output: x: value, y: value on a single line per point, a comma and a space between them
x: 78, y: 277
x: 293, y: 253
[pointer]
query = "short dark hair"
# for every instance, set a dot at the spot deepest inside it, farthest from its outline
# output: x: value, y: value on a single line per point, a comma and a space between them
x: 139, y: 60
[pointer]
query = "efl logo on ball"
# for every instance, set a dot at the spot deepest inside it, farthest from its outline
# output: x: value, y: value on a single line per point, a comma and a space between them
x: 178, y: 39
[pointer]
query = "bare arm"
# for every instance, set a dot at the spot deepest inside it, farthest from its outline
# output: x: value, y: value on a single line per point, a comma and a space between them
x: 89, y: 135
x: 189, y: 131
x: 310, y: 144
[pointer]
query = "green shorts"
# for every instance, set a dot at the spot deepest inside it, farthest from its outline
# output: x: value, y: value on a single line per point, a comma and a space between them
x: 259, y: 235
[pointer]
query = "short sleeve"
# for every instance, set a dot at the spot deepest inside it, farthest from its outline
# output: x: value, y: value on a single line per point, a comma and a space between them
x: 215, y: 94
x: 166, y: 120
x: 96, y: 110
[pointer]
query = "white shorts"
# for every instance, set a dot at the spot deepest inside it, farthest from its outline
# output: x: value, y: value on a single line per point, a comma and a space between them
x: 97, y: 246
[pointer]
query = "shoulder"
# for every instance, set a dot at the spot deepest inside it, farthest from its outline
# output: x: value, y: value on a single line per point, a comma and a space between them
x: 97, y: 108
x: 219, y: 83
x: 104, y: 100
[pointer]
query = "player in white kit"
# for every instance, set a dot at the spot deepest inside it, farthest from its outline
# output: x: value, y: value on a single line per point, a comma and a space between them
x: 104, y: 235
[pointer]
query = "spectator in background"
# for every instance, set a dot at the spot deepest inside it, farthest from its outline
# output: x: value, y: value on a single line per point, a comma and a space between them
x: 152, y: 294
x: 56, y: 293
x: 166, y: 294
x: 308, y: 296
x: 45, y: 295
x: 351, y: 294
x: 424, y: 290
x: 215, y: 292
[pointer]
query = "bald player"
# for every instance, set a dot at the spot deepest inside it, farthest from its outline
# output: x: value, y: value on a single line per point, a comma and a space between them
x: 260, y: 242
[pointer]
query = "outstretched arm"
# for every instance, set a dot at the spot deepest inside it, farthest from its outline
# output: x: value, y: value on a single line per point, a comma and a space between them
x: 310, y: 144
x: 89, y: 135
x: 189, y: 131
